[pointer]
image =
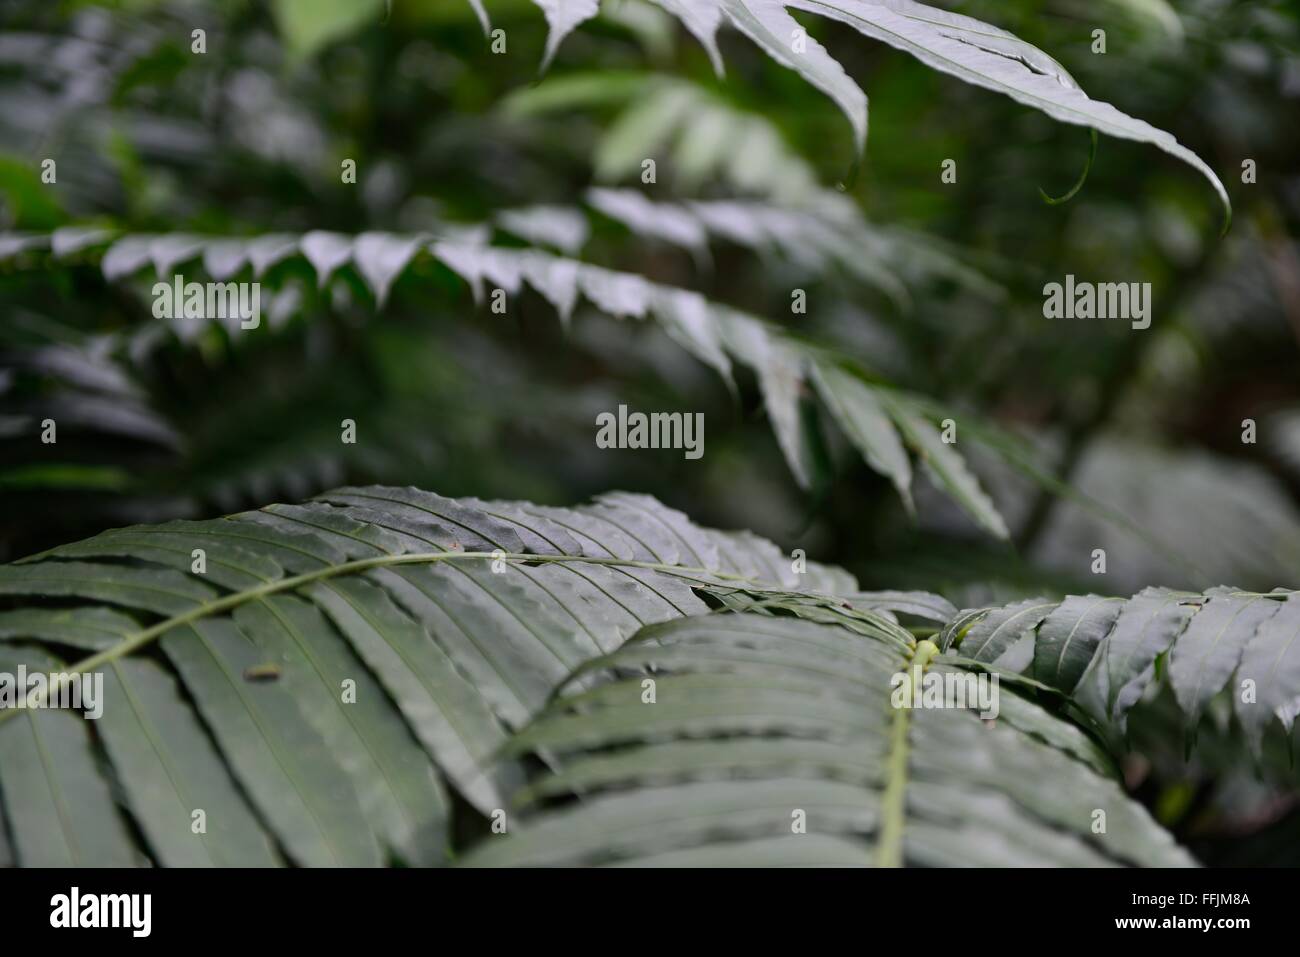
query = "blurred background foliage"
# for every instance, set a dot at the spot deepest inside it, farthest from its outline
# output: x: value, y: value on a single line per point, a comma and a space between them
x: 939, y: 291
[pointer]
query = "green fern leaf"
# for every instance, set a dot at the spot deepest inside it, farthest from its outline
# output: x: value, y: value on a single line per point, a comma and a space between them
x: 763, y: 726
x: 1103, y: 651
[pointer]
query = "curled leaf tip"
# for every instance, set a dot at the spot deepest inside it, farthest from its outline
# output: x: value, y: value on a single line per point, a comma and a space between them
x: 1227, y: 221
x: 1083, y: 177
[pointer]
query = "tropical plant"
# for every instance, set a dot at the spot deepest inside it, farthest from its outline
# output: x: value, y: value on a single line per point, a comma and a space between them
x: 341, y: 666
x: 387, y: 675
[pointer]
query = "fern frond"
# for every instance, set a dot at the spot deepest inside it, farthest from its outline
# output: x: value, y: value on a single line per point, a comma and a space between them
x: 1104, y: 652
x: 770, y: 742
x: 973, y: 51
x: 713, y: 333
x: 367, y: 720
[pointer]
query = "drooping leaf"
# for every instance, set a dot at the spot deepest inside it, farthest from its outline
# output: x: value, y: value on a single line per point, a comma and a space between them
x: 562, y: 16
x: 1145, y: 628
x: 872, y: 432
x: 703, y: 20
x: 767, y: 23
x: 993, y: 634
x: 1271, y: 662
x: 1069, y: 636
x: 326, y: 252
x: 944, y: 464
x: 382, y: 257
x: 1209, y: 650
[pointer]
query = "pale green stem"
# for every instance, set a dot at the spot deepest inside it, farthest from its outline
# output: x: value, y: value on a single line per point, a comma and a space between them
x: 893, y: 803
